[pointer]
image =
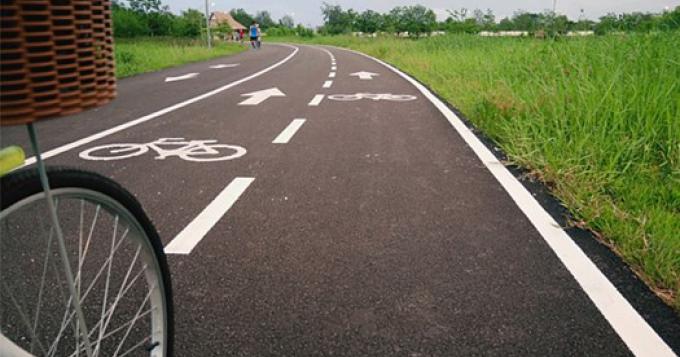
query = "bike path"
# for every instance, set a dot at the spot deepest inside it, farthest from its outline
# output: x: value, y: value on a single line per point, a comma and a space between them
x: 374, y: 231
x: 144, y: 94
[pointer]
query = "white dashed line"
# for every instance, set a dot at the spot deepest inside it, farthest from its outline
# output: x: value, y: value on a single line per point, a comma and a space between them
x: 193, y: 233
x: 316, y: 100
x: 289, y: 131
x: 327, y: 84
x: 331, y: 75
x: 334, y: 68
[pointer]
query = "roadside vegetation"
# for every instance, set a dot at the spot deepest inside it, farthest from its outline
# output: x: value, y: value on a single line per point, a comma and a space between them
x: 597, y: 119
x: 141, y: 55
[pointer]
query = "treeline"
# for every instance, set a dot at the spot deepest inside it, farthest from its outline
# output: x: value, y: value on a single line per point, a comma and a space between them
x: 285, y: 26
x: 137, y: 18
x: 148, y: 18
x: 418, y: 20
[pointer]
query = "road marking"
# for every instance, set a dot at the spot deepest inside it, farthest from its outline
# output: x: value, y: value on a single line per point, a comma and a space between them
x: 316, y: 100
x: 195, y: 231
x: 260, y: 96
x: 632, y: 328
x: 289, y: 131
x: 224, y: 65
x: 331, y: 75
x: 334, y: 68
x: 189, y: 150
x: 64, y: 148
x: 363, y: 75
x: 181, y: 78
x: 327, y: 84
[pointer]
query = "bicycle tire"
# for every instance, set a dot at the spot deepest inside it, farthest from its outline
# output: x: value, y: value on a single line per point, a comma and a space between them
x: 23, y: 187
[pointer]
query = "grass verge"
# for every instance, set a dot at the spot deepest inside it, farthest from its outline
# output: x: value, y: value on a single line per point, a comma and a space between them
x: 135, y: 56
x: 597, y: 119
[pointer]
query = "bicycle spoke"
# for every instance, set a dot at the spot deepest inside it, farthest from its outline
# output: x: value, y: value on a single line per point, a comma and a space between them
x: 42, y: 285
x: 24, y: 318
x: 137, y: 316
x: 136, y: 346
x: 108, y: 281
x: 124, y: 325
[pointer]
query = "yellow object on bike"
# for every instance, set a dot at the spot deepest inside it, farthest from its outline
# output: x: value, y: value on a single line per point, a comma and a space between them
x: 11, y: 158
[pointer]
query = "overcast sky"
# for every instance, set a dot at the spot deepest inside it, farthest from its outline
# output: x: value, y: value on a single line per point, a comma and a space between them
x: 308, y: 12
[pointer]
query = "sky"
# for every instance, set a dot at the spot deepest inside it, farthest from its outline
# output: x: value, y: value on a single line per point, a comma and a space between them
x: 308, y: 12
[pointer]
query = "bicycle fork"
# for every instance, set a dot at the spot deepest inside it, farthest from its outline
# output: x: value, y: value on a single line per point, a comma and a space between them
x: 42, y: 171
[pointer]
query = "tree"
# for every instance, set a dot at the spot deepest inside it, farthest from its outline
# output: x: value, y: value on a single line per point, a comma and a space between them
x: 146, y: 6
x: 415, y: 20
x: 336, y: 21
x: 189, y: 24
x: 264, y: 18
x: 242, y: 16
x: 368, y: 21
x: 287, y: 22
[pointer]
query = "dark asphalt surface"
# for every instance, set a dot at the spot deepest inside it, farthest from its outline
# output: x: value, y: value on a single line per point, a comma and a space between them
x: 375, y: 231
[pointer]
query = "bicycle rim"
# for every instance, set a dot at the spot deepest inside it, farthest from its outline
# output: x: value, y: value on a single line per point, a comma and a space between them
x: 118, y: 278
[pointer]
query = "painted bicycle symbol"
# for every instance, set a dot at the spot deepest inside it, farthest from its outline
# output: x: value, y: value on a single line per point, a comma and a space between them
x: 189, y: 150
x: 372, y: 96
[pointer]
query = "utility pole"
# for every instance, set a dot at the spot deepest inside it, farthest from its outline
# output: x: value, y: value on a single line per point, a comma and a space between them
x: 207, y: 22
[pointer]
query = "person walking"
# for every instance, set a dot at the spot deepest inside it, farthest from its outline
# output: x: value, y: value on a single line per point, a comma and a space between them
x: 255, y: 35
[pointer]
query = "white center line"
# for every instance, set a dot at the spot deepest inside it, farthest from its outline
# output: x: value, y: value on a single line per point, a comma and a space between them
x: 289, y: 131
x: 331, y: 75
x: 327, y: 84
x: 316, y: 100
x: 193, y: 233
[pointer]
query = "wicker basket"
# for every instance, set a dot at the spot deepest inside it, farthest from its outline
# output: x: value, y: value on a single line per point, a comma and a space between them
x: 56, y: 58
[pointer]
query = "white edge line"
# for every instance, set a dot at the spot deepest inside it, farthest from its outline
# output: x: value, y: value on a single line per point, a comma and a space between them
x: 194, y: 232
x: 316, y: 100
x: 632, y: 328
x: 287, y: 133
x: 121, y: 127
x: 327, y: 84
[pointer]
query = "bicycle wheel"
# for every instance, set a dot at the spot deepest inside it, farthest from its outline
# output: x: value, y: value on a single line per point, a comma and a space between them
x: 114, y: 152
x: 212, y: 152
x: 121, y: 275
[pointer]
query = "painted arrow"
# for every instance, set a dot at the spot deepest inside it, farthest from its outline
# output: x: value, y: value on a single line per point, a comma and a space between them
x: 363, y: 75
x: 260, y: 96
x: 220, y: 66
x: 181, y: 78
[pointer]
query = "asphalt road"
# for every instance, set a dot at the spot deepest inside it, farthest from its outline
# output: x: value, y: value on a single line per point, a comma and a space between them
x: 360, y: 223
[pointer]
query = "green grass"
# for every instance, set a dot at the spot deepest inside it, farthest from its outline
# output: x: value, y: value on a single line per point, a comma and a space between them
x: 597, y: 119
x: 135, y: 56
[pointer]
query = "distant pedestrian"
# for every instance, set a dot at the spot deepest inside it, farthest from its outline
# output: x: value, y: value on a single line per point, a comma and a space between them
x: 255, y: 35
x: 241, y: 34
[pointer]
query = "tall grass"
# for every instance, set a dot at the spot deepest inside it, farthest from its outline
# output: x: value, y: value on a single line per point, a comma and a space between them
x: 140, y: 55
x: 597, y: 119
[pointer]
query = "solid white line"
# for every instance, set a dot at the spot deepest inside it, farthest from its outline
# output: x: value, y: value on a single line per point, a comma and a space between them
x: 316, y: 100
x: 640, y: 338
x: 289, y: 131
x: 194, y: 232
x: 121, y: 127
x: 331, y: 75
x: 327, y: 84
